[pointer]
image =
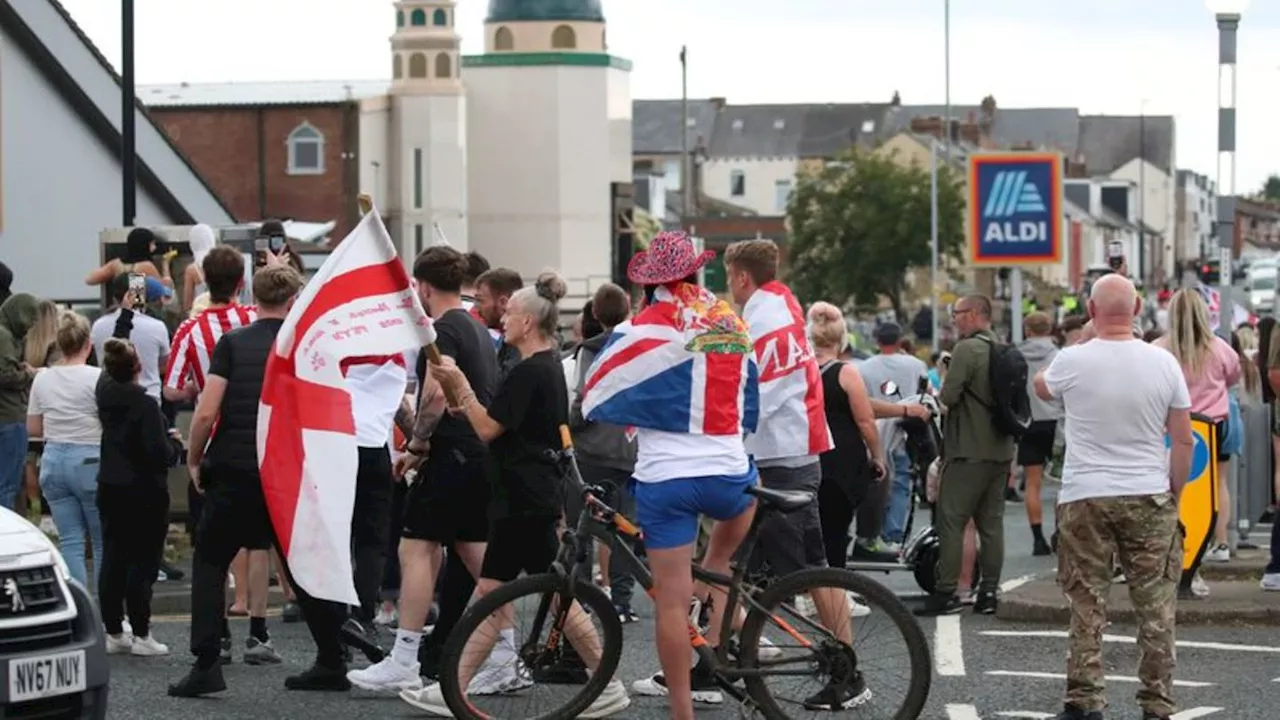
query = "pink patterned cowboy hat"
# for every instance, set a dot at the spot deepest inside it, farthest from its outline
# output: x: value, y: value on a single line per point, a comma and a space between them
x: 671, y: 257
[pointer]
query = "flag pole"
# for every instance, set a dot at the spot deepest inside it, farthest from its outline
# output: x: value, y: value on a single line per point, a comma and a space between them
x: 365, y: 201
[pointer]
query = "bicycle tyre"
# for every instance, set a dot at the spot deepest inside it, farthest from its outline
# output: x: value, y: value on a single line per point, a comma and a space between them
x: 876, y: 595
x: 588, y: 595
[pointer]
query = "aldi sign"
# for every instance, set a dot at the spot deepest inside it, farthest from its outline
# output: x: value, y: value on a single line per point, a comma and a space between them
x: 1015, y: 208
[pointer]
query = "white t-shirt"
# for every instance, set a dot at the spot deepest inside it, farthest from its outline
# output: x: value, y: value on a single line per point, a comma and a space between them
x: 150, y: 339
x: 64, y: 395
x: 664, y: 455
x: 376, y: 391
x: 1117, y: 395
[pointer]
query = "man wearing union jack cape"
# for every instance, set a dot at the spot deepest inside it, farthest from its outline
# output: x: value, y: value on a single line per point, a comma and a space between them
x: 681, y: 373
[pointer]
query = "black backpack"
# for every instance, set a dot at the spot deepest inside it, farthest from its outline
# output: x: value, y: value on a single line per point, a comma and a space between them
x: 1011, y: 409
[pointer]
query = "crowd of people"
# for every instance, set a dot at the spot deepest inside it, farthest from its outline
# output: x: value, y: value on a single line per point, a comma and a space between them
x: 456, y: 492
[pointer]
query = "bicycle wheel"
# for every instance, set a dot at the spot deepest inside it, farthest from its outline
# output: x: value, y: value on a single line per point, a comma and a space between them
x: 845, y: 675
x: 540, y: 661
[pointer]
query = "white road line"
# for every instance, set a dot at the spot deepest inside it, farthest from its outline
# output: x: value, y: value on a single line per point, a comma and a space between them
x: 1194, y: 713
x: 1015, y: 583
x: 1110, y: 678
x: 962, y: 712
x: 1127, y: 640
x: 948, y: 652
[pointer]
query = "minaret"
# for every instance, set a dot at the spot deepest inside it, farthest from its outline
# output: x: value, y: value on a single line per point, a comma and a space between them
x: 427, y: 144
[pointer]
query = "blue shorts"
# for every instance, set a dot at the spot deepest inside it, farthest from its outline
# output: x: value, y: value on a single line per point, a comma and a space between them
x: 668, y: 511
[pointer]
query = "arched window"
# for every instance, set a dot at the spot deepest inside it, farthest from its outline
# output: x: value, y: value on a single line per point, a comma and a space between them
x: 418, y: 18
x: 417, y: 65
x: 503, y: 39
x: 444, y: 66
x: 399, y: 18
x: 397, y: 67
x: 440, y: 18
x: 306, y: 150
x: 564, y: 38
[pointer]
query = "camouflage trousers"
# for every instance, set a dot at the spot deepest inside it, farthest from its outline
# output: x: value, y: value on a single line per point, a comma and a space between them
x: 1141, y: 533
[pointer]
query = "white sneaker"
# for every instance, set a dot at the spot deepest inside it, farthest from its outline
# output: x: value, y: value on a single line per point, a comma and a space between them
x: 387, y: 615
x: 1219, y: 554
x: 613, y: 699
x: 387, y: 676
x: 429, y: 700
x: 1199, y: 587
x: 1271, y: 582
x: 857, y: 608
x: 148, y: 647
x: 805, y: 606
x: 121, y: 644
x: 766, y: 650
x: 656, y: 686
x: 126, y: 628
x: 501, y: 673
x: 162, y: 576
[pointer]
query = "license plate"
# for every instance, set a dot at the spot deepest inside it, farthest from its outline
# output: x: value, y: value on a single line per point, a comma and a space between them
x: 32, y: 678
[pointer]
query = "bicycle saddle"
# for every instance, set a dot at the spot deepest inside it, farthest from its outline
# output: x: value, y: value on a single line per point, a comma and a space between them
x: 784, y: 500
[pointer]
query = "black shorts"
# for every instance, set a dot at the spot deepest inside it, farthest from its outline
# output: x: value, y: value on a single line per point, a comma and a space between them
x: 792, y: 541
x: 234, y: 509
x: 449, y: 502
x: 1036, y: 446
x: 520, y: 544
x: 1221, y: 425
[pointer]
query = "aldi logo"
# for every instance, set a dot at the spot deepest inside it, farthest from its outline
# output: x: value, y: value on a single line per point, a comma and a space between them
x: 1015, y: 208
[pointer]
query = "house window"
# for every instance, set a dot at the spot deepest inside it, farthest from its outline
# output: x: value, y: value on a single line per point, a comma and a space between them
x: 672, y: 172
x: 564, y: 38
x: 399, y: 18
x: 397, y: 67
x: 782, y: 195
x: 417, y: 178
x: 418, y: 18
x: 417, y: 65
x: 444, y: 66
x: 306, y: 151
x: 737, y: 184
x: 417, y: 240
x: 503, y: 39
x: 440, y: 18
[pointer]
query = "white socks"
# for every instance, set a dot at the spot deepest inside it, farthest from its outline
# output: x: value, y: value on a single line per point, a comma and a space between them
x: 405, y: 651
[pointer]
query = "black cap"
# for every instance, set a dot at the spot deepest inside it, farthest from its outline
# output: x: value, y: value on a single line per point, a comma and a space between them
x: 889, y: 333
x: 271, y: 228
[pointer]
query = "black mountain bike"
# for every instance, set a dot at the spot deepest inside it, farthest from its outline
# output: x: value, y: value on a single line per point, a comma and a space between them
x: 782, y: 638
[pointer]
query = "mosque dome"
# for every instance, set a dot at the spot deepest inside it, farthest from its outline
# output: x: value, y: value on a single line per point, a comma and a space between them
x: 506, y: 11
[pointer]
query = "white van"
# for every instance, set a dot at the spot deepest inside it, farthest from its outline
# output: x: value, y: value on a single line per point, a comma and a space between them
x: 53, y: 656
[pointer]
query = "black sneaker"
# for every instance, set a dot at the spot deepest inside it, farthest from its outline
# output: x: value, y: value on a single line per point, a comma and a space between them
x: 291, y: 613
x: 702, y: 686
x: 1011, y: 495
x: 366, y: 641
x: 320, y: 679
x: 986, y: 603
x: 224, y: 651
x: 199, y: 682
x: 938, y: 604
x: 840, y: 696
x: 1040, y: 548
x: 1071, y: 712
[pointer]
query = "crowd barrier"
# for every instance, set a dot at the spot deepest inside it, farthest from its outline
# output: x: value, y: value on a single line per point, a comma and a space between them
x: 1249, y: 475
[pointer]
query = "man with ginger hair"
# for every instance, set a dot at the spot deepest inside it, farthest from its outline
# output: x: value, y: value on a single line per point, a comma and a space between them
x: 1119, y: 498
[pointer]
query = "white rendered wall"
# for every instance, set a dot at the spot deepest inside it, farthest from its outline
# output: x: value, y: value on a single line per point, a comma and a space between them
x: 437, y: 125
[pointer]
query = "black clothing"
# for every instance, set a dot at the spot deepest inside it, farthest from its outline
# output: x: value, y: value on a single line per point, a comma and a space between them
x: 463, y: 338
x: 240, y: 357
x: 847, y: 464
x: 136, y: 448
x: 135, y: 520
x: 453, y: 594
x: 1036, y: 446
x: 370, y: 519
x: 531, y: 405
x: 508, y: 358
x: 520, y: 543
x: 449, y: 502
x: 597, y: 443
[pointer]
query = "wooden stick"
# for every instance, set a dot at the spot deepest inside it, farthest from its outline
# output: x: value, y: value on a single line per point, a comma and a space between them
x: 365, y: 202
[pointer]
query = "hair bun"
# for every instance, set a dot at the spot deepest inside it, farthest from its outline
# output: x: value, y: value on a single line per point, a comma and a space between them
x: 116, y: 346
x: 550, y: 286
x: 824, y: 313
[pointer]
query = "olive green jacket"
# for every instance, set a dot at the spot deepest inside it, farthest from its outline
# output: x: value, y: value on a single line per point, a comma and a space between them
x: 17, y: 315
x: 968, y: 431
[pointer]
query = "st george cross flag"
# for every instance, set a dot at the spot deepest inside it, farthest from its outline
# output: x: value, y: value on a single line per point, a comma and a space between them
x: 683, y: 364
x: 360, y: 303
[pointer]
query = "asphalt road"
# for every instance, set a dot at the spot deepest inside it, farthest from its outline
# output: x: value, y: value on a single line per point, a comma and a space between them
x: 984, y: 668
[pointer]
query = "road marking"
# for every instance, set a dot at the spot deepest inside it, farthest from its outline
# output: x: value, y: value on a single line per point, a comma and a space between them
x: 1194, y: 713
x: 1015, y: 583
x: 948, y: 652
x: 962, y: 712
x: 1109, y: 678
x: 1127, y: 640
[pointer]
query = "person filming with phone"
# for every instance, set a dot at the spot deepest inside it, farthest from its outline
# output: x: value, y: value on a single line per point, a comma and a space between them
x: 149, y: 336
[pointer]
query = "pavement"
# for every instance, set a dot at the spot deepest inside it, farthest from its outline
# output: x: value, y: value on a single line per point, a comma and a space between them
x: 985, y: 667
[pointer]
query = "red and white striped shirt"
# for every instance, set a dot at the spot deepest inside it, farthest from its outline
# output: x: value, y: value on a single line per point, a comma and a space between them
x: 195, y: 339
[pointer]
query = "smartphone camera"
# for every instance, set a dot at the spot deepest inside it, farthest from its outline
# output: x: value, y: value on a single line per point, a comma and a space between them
x: 276, y: 244
x: 138, y: 289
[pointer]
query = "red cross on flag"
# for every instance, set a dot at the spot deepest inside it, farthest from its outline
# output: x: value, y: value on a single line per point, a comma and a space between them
x: 360, y: 303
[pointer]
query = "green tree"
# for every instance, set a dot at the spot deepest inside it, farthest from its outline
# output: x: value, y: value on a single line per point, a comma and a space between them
x: 858, y: 224
x: 1271, y: 188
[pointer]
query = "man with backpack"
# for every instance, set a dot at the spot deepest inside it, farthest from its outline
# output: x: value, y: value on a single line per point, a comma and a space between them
x: 986, y: 410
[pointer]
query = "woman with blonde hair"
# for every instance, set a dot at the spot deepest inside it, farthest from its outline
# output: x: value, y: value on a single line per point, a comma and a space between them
x: 39, y: 350
x: 1211, y: 367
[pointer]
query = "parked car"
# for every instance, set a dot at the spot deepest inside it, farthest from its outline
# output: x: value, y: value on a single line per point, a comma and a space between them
x: 53, y: 655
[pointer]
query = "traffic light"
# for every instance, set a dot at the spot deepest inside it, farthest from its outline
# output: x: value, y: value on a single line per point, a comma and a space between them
x: 624, y: 230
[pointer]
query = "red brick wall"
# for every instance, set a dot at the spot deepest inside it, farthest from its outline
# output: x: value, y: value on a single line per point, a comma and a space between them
x: 224, y: 146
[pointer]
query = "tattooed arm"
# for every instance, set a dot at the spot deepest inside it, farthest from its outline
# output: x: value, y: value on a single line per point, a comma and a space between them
x: 430, y: 409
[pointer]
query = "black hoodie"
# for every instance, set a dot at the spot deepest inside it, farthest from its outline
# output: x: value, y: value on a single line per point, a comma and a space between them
x: 136, y: 449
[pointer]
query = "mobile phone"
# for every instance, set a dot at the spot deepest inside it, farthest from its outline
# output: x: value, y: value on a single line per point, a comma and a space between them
x: 1115, y: 254
x: 138, y: 289
x: 276, y: 243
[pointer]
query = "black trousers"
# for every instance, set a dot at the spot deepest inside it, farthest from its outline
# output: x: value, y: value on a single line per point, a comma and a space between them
x: 134, y: 524
x: 453, y: 592
x: 370, y: 524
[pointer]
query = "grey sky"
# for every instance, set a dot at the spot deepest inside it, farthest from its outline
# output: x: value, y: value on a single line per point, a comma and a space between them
x: 1103, y: 56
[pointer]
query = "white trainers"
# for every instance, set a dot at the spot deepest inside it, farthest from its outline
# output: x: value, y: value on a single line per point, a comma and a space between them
x: 126, y: 628
x: 805, y: 606
x: 501, y: 673
x: 148, y: 647
x: 388, y: 676
x: 1219, y: 554
x: 613, y: 699
x: 387, y: 615
x: 857, y: 608
x: 121, y: 644
x: 1199, y: 587
x: 1270, y: 582
x: 429, y: 700
x: 704, y: 690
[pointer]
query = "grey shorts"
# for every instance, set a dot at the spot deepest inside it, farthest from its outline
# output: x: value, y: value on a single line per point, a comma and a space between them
x: 792, y: 541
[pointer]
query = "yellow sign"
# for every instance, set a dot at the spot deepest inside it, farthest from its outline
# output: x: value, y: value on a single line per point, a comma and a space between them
x: 1198, y: 509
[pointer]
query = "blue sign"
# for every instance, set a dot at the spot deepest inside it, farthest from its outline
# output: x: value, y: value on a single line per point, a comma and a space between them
x: 1015, y: 208
x: 1199, y: 456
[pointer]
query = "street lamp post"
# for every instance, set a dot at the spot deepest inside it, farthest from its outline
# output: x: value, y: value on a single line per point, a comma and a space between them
x: 1227, y: 14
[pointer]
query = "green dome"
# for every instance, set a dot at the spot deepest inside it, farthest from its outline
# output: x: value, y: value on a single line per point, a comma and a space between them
x: 501, y: 11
